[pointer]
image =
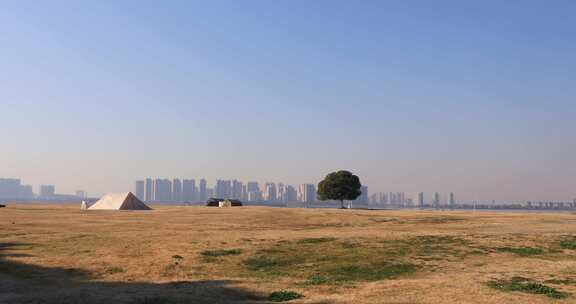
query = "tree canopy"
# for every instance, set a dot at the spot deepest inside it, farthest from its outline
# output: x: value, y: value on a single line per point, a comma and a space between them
x: 341, y: 185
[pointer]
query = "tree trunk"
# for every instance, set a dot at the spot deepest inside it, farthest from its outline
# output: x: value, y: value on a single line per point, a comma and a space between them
x: 341, y: 204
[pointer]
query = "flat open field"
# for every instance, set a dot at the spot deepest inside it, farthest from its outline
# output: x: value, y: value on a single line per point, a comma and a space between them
x: 58, y: 254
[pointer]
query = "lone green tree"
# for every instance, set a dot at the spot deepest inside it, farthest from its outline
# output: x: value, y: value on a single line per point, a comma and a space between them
x: 341, y: 185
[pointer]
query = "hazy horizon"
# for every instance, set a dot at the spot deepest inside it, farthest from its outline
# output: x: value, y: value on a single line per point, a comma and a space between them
x: 472, y: 98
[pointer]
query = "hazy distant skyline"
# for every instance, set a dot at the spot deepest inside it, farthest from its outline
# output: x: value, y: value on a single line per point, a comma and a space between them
x: 474, y: 98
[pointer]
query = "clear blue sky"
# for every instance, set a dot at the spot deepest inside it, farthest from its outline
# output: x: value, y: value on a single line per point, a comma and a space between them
x: 475, y: 97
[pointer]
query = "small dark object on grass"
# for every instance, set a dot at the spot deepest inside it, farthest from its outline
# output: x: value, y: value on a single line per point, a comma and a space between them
x: 215, y: 202
x: 284, y: 296
x: 2, y: 206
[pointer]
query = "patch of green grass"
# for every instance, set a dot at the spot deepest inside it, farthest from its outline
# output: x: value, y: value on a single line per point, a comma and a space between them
x: 561, y: 281
x: 115, y: 269
x: 284, y: 296
x: 271, y: 265
x: 527, y: 286
x: 435, y: 247
x: 568, y: 242
x: 438, y: 240
x: 317, y: 280
x: 316, y: 240
x: 522, y: 251
x: 369, y: 273
x: 220, y: 252
x: 333, y: 261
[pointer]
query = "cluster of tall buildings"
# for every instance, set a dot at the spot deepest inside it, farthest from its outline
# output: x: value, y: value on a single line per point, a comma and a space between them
x: 187, y: 190
x: 12, y: 188
x: 401, y: 200
x: 176, y: 190
x: 550, y: 205
x: 437, y: 200
x: 389, y: 198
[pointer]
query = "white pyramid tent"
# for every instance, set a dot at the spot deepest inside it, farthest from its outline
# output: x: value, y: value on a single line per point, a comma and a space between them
x: 119, y: 201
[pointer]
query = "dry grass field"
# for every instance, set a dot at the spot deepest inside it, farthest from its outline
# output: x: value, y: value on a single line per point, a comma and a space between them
x: 58, y: 254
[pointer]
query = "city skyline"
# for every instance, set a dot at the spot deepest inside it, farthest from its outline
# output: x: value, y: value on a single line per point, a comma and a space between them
x: 475, y: 98
x: 199, y: 190
x: 185, y: 190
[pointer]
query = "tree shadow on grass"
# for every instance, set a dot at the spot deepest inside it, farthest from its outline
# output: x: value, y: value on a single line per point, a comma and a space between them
x: 33, y: 284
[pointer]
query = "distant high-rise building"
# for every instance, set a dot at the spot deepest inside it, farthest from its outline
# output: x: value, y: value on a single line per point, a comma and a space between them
x: 26, y: 192
x: 452, y: 200
x: 236, y: 189
x: 401, y: 198
x: 383, y: 198
x: 290, y: 194
x: 13, y: 189
x: 421, y: 201
x: 223, y: 189
x: 176, y: 190
x: 307, y: 193
x: 140, y: 189
x: 436, y: 199
x: 254, y: 196
x: 189, y: 191
x: 148, y: 190
x: 162, y: 190
x: 9, y: 188
x: 397, y: 198
x: 379, y: 198
x: 202, y: 190
x: 270, y: 192
x: 363, y: 198
x: 244, y: 192
x: 280, y: 193
x: 253, y: 192
x: 47, y: 190
x: 252, y: 187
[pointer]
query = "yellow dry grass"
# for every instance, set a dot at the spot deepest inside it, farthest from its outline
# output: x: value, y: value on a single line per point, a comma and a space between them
x: 58, y: 254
